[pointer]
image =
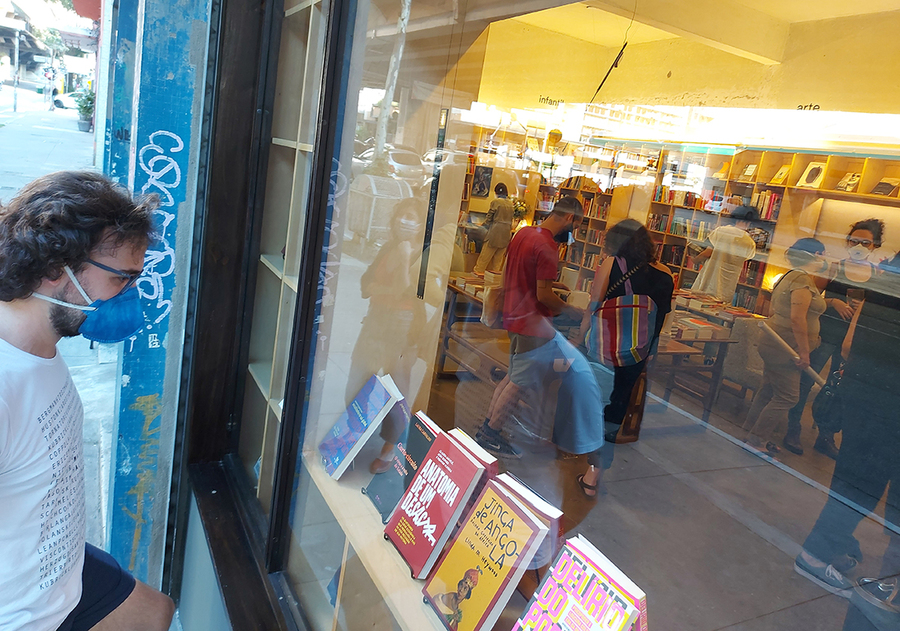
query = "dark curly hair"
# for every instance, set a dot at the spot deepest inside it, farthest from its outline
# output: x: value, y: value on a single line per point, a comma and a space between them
x: 630, y: 240
x: 873, y: 225
x: 58, y: 220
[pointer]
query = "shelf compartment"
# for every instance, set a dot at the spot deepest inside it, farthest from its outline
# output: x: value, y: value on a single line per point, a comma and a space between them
x: 291, y: 75
x: 274, y: 263
x: 278, y: 198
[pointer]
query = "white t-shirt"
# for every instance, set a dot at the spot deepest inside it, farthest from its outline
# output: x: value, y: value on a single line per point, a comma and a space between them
x: 719, y: 275
x: 42, y: 530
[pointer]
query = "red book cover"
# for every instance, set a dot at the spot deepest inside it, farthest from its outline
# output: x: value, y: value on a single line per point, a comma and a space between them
x: 432, y: 504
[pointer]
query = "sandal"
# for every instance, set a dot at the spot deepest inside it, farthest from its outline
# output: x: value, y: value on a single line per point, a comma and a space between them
x: 380, y: 466
x: 598, y: 489
x: 772, y: 448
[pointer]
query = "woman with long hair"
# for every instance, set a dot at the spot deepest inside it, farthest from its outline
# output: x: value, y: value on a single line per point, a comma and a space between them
x: 627, y: 244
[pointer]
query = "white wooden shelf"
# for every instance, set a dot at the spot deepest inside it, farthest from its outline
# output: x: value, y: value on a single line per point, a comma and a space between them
x: 362, y: 526
x: 273, y: 262
x: 261, y: 372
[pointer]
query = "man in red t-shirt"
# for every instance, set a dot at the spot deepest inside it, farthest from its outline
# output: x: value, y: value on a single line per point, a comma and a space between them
x: 528, y: 309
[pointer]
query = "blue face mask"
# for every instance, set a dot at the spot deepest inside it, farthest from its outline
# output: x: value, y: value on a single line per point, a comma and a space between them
x: 107, y: 321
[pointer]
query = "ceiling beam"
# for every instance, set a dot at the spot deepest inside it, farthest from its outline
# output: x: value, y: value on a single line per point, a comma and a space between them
x: 721, y: 24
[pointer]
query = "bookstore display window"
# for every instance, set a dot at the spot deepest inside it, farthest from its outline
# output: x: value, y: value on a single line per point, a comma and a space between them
x: 410, y: 510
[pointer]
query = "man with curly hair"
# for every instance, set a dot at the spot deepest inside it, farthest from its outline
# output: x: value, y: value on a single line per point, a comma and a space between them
x: 72, y: 246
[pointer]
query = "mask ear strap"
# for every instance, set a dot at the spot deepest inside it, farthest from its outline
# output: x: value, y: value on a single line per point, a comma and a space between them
x: 63, y: 304
x: 84, y: 295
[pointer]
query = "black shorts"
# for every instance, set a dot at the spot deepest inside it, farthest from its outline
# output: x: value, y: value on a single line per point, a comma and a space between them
x: 104, y: 586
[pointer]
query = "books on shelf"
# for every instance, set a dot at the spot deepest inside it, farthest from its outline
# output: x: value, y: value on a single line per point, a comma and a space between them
x: 768, y: 203
x: 357, y: 423
x: 660, y: 223
x: 550, y: 516
x: 752, y: 273
x: 887, y: 186
x: 433, y: 503
x: 585, y: 591
x: 813, y: 175
x: 386, y: 489
x: 488, y: 461
x: 689, y: 328
x: 781, y: 175
x: 849, y: 182
x: 475, y: 578
x: 748, y: 173
x: 672, y: 254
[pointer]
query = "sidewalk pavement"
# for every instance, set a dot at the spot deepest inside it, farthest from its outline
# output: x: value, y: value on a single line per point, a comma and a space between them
x: 34, y: 142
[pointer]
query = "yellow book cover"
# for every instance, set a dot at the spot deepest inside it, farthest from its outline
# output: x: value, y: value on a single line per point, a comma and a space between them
x: 477, y: 575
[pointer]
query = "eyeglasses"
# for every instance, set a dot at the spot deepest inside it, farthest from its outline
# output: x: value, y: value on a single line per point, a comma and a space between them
x: 857, y: 241
x: 130, y: 277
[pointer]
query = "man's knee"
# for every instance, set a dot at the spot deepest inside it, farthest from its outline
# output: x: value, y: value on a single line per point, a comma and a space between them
x: 161, y: 609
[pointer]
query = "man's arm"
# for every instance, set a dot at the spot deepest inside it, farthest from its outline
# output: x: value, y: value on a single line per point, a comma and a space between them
x: 554, y: 303
x: 705, y: 254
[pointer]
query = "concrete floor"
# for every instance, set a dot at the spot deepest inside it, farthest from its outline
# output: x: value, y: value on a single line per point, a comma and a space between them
x: 707, y: 528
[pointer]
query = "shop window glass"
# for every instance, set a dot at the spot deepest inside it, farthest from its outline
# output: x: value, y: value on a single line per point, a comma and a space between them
x: 689, y: 450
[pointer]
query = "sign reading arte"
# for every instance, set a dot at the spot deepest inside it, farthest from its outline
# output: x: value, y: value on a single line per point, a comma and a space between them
x: 808, y: 106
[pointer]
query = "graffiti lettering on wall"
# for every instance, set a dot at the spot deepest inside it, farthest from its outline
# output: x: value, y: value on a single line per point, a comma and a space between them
x: 123, y: 133
x: 151, y: 409
x: 155, y: 159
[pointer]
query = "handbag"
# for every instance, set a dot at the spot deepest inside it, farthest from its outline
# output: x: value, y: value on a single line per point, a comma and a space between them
x: 826, y: 407
x: 492, y: 308
x: 622, y: 328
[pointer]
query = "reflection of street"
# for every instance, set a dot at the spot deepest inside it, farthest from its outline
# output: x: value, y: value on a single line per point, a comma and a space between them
x: 35, y: 142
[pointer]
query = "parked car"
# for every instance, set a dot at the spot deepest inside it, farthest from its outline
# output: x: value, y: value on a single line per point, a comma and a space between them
x: 65, y: 101
x: 402, y: 163
x: 449, y: 156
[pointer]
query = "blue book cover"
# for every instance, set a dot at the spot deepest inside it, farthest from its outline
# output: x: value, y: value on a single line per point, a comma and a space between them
x: 357, y: 423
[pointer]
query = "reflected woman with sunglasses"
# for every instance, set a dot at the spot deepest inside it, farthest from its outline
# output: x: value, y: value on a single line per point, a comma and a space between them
x: 846, y: 288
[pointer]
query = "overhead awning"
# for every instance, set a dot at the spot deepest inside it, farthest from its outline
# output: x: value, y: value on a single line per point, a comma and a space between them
x: 87, y: 8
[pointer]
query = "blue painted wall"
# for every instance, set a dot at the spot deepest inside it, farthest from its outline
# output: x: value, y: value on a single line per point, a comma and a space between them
x: 162, y: 107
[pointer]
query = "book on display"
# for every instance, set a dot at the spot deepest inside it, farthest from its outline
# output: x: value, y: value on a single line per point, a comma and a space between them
x: 433, y: 503
x: 813, y: 175
x: 887, y: 186
x: 386, y: 489
x: 584, y: 591
x: 357, y: 424
x: 547, y: 513
x: 849, y: 182
x: 781, y: 176
x: 479, y: 572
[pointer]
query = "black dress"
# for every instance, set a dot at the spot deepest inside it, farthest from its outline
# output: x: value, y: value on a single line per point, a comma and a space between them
x: 659, y: 285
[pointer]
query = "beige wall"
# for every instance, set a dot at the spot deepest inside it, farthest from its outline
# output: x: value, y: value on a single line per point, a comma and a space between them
x: 847, y: 64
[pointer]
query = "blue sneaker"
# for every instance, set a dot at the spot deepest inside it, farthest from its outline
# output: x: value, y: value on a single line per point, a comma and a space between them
x: 825, y: 576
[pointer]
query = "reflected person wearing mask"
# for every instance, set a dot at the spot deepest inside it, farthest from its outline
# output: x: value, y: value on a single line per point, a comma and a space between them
x: 848, y: 280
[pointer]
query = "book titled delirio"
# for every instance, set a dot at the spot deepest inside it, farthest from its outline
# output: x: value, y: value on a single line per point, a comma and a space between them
x: 476, y: 577
x: 357, y: 423
x: 431, y: 506
x: 584, y: 591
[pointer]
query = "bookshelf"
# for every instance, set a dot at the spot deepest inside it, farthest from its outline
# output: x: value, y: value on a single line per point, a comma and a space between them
x: 293, y: 130
x: 692, y: 180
